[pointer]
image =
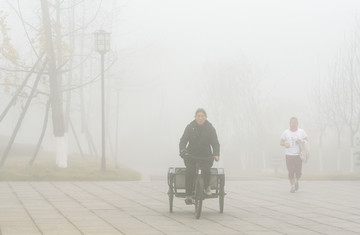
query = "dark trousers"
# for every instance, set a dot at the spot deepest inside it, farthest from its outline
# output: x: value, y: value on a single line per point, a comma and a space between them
x: 294, y: 165
x: 205, y: 167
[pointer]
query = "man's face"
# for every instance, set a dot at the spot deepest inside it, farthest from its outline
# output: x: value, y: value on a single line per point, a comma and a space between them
x: 200, y: 118
x: 293, y: 125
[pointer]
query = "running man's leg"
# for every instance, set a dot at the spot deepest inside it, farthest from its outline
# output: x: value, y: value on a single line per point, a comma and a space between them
x: 298, y: 167
x: 290, y: 164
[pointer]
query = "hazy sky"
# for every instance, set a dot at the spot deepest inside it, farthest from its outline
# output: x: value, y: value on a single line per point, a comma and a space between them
x: 162, y: 47
x: 292, y: 40
x: 293, y: 43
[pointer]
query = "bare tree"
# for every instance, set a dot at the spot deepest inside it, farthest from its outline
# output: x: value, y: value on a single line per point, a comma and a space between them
x: 232, y: 90
x: 55, y: 95
x: 344, y: 94
x: 50, y: 42
x: 334, y: 107
x: 351, y: 112
x: 46, y: 118
x: 320, y: 117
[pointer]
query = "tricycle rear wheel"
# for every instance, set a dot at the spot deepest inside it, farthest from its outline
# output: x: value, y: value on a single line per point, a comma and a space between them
x: 222, y: 195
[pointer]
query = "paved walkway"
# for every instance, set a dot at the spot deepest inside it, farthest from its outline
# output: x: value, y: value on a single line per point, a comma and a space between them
x: 251, y: 207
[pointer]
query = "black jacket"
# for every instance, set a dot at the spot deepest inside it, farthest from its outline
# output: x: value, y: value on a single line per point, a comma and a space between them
x: 200, y: 141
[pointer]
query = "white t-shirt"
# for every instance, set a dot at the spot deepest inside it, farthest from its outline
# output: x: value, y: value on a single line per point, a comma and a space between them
x: 291, y: 137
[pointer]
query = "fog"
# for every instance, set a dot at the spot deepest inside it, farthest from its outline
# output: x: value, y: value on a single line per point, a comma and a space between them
x: 250, y: 64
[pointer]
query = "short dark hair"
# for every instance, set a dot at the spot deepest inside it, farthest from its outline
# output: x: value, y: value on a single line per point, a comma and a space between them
x: 201, y: 110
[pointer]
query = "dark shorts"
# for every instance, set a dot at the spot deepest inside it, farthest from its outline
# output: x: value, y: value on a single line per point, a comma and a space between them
x: 294, y: 166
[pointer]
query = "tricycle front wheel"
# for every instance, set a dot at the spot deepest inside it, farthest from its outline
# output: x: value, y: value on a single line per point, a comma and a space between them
x: 171, y: 200
x: 198, y: 207
x: 222, y: 195
x: 221, y: 202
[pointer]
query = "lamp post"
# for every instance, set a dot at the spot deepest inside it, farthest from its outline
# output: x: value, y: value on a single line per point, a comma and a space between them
x: 102, y: 45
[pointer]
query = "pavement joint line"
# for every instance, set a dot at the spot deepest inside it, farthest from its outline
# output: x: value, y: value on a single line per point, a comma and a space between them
x: 125, y: 211
x: 59, y: 211
x: 250, y: 208
x: 273, y: 218
x: 210, y: 208
x: 213, y: 221
x: 168, y: 216
x: 250, y: 222
x: 285, y: 204
x: 332, y: 210
x: 118, y: 207
x: 23, y: 206
x: 85, y: 207
x: 297, y: 217
x: 260, y: 207
x: 238, y: 218
x: 165, y: 215
x: 227, y: 226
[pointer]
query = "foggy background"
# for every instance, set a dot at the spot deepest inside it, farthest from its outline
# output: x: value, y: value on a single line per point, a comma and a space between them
x: 250, y: 64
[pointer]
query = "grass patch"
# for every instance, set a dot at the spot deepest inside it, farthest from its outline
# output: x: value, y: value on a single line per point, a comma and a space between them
x: 79, y: 168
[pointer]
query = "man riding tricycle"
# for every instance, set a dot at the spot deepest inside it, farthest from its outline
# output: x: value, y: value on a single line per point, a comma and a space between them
x: 199, y: 147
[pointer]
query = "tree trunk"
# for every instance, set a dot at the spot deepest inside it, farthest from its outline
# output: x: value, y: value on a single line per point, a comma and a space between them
x: 46, y: 118
x: 61, y: 151
x: 55, y: 95
x: 81, y: 91
x: 91, y: 144
x: 321, y: 168
x: 338, y: 156
x: 76, y: 137
x: 56, y: 104
x: 117, y: 130
x: 263, y: 159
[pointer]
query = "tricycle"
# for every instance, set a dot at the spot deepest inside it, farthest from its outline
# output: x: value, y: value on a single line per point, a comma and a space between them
x: 176, y: 182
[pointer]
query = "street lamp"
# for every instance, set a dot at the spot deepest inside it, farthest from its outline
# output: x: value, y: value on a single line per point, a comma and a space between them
x: 102, y: 45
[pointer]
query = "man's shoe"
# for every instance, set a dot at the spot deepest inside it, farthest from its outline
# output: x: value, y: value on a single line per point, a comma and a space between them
x: 207, y: 191
x: 188, y: 200
x: 292, y: 189
x: 296, y: 185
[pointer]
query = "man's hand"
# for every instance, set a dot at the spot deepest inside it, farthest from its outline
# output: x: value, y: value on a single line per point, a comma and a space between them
x: 299, y: 141
x: 285, y: 144
x: 184, y: 153
x: 217, y: 158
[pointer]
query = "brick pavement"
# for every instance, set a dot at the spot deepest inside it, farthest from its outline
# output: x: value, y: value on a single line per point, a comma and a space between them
x: 251, y: 207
